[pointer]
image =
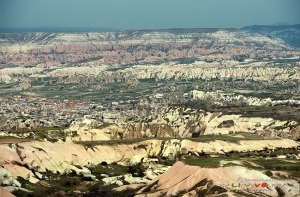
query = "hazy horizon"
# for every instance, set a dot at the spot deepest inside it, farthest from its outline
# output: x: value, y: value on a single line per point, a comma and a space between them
x: 142, y: 14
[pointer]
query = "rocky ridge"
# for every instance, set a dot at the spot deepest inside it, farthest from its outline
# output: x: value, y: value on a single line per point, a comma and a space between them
x: 172, y: 123
x: 180, y: 123
x: 185, y: 180
x: 222, y: 99
x: 127, y: 47
x: 31, y: 160
x: 288, y: 33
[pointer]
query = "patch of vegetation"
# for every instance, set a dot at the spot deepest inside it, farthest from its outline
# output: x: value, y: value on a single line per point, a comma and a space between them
x: 110, y: 170
x: 249, y: 135
x: 41, y: 191
x: 148, y: 80
x: 41, y: 129
x: 69, y: 182
x: 200, y: 184
x: 268, y: 173
x: 197, y: 104
x: 240, y: 193
x: 107, y: 191
x: 280, y: 192
x: 195, y: 134
x: 56, y: 187
x: 212, y: 137
x: 179, y: 194
x: 216, y: 190
x: 202, y: 193
x: 136, y: 170
x: 166, y: 161
x: 205, y: 162
x: 52, y: 134
x: 283, y: 113
x: 148, y: 188
x: 11, y: 139
x: 279, y: 164
x: 226, y: 124
x: 92, y: 144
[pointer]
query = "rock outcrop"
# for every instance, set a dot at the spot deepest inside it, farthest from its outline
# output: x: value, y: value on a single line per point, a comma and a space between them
x: 31, y: 160
x: 199, y: 70
x: 223, y: 99
x: 189, y: 123
x: 191, y: 180
x: 296, y: 133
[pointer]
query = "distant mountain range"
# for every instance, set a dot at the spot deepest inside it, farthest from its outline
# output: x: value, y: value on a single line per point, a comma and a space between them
x: 289, y: 33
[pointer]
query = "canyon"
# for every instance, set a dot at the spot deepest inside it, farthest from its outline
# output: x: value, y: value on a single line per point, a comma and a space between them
x: 178, y: 112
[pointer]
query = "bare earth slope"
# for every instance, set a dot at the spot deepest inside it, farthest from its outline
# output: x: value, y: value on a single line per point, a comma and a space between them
x: 5, y: 193
x: 23, y: 159
x: 183, y: 178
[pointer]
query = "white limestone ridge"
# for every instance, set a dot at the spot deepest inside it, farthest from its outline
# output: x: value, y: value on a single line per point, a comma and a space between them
x: 23, y: 159
x: 222, y: 98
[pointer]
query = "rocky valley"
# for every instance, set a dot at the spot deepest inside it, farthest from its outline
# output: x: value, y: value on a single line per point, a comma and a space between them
x: 179, y: 112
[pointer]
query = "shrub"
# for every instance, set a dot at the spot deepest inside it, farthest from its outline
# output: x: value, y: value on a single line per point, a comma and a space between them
x: 268, y: 173
x: 106, y: 191
x: 280, y: 192
x: 195, y: 135
x: 273, y: 154
x: 136, y: 170
x: 216, y: 189
x: 226, y: 123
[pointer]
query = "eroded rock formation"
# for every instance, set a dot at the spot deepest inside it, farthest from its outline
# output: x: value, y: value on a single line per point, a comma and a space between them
x: 31, y: 160
x: 191, y: 180
x: 141, y: 46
